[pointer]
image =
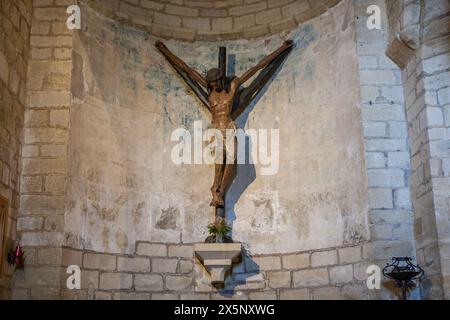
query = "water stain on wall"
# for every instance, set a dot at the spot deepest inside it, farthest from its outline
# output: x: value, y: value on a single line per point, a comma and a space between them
x: 168, y: 219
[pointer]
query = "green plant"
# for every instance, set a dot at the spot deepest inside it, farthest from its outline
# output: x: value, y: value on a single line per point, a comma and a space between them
x: 219, y: 227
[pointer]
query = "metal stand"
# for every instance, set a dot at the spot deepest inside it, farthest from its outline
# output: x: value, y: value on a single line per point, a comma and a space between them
x: 402, y: 271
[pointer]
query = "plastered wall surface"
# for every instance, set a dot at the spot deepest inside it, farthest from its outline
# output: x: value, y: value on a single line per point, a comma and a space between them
x: 123, y: 186
x: 15, y: 25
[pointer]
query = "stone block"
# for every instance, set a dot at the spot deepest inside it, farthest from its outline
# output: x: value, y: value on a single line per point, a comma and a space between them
x: 195, y: 296
x: 54, y: 223
x: 402, y: 198
x: 36, y: 118
x: 71, y: 257
x: 148, y: 282
x: 222, y: 23
x: 279, y: 279
x: 385, y: 145
x: 341, y: 274
x: 49, y: 256
x: 152, y: 250
x: 63, y: 53
x: 383, y: 112
x: 167, y: 20
x: 296, y: 261
x: 327, y: 293
x: 50, y: 14
x: 177, y: 283
x: 246, y: 9
x: 99, y: 261
x: 181, y: 251
x: 51, y: 41
x: 201, y: 24
x: 263, y: 295
x: 444, y: 96
x: 375, y: 160
x: 165, y: 296
x: 186, y: 266
x: 398, y: 160
x: 380, y: 198
x: 379, y: 77
x: 102, y: 295
x: 31, y: 184
x: 30, y: 223
x: 310, y: 277
x: 152, y: 5
x: 294, y: 294
x: 54, y: 151
x: 133, y: 264
x: 245, y: 21
x: 59, y: 118
x: 268, y: 16
x: 131, y: 296
x: 435, y: 116
x: 43, y: 99
x: 393, y: 178
x: 116, y: 281
x: 89, y: 279
x: 268, y: 263
x: 181, y: 11
x: 41, y: 293
x: 436, y: 63
x: 374, y: 129
x: 30, y: 151
x: 55, y: 184
x: 295, y: 8
x: 165, y: 265
x: 349, y: 254
x: 323, y: 258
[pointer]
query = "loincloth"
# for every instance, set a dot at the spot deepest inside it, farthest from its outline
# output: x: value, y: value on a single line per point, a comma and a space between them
x: 228, y: 136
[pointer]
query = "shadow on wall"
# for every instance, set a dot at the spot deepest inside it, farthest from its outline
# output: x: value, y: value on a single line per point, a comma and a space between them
x: 246, y: 173
x: 244, y: 275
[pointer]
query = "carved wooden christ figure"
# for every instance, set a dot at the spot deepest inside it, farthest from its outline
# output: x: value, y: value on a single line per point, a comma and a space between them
x: 226, y: 100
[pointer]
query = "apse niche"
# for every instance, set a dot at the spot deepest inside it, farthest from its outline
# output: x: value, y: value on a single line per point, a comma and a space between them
x: 124, y: 186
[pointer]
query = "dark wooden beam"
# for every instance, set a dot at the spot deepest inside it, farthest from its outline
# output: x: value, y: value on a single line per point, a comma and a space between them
x: 248, y: 94
x: 195, y: 87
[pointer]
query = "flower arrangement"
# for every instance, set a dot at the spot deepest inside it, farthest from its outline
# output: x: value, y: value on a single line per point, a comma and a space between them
x: 16, y: 257
x: 219, y: 229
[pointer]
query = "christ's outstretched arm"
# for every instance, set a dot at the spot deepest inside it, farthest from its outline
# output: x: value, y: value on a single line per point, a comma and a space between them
x: 266, y: 61
x: 181, y: 64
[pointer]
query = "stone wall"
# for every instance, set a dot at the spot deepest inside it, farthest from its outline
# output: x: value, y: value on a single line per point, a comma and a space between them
x: 44, y: 152
x: 15, y: 24
x: 161, y: 271
x: 386, y: 142
x: 426, y: 81
x: 128, y: 102
x: 101, y: 104
x: 213, y: 20
x: 81, y: 188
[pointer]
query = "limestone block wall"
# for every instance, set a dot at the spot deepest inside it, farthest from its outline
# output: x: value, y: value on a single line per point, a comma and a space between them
x: 44, y: 152
x: 128, y: 101
x: 426, y: 91
x: 213, y: 20
x: 101, y: 192
x: 160, y: 271
x: 15, y: 25
x: 386, y: 143
x: 426, y: 81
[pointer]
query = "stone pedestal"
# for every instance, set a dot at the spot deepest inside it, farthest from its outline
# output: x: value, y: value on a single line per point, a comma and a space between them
x: 218, y: 259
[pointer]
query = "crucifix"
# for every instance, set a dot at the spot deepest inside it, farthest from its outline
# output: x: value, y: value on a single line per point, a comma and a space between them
x: 226, y: 100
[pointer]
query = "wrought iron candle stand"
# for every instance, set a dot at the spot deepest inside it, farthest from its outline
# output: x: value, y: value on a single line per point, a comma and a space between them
x: 403, y: 272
